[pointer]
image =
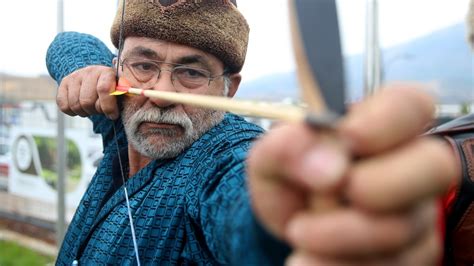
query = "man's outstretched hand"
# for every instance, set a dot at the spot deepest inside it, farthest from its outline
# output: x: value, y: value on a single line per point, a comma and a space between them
x: 389, y: 192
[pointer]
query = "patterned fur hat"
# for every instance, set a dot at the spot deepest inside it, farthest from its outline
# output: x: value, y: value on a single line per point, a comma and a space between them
x: 213, y: 26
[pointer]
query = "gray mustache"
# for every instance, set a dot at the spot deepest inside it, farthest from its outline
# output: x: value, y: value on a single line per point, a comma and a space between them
x: 154, y: 115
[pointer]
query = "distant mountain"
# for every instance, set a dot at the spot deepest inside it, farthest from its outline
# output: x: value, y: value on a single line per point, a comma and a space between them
x: 442, y: 58
x: 271, y: 87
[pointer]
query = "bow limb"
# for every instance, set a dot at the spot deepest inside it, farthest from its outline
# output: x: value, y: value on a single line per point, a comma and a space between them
x: 317, y: 46
x: 309, y: 88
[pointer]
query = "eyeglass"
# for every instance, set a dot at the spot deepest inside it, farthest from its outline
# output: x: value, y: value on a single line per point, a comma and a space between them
x: 147, y: 72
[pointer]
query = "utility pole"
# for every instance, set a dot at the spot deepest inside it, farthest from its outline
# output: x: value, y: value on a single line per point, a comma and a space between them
x: 372, y: 77
x: 61, y: 154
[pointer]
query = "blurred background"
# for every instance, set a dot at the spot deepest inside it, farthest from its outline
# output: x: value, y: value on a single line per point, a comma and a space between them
x: 406, y: 40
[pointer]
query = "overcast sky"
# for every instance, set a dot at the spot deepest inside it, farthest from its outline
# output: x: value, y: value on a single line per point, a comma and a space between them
x: 28, y: 26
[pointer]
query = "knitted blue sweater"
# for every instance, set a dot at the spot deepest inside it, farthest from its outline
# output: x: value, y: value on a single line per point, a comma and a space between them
x: 190, y: 210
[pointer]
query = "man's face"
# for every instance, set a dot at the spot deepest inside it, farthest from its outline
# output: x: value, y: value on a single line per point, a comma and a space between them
x: 160, y: 129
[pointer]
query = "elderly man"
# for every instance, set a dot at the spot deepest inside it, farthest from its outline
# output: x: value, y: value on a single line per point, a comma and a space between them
x: 186, y: 168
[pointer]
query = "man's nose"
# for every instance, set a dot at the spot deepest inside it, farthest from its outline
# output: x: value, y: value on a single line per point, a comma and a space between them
x: 164, y: 83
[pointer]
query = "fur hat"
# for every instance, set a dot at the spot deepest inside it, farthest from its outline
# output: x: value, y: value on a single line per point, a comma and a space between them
x: 470, y: 24
x: 213, y: 26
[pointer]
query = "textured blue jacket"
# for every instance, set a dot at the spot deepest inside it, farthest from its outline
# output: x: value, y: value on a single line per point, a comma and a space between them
x: 190, y: 210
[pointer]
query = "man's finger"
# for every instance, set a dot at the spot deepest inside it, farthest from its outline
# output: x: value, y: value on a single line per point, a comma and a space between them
x: 98, y: 107
x: 74, y: 92
x: 267, y: 182
x: 62, y: 98
x: 426, y: 252
x: 422, y: 170
x: 88, y: 94
x: 352, y: 234
x: 105, y: 85
x: 400, y: 114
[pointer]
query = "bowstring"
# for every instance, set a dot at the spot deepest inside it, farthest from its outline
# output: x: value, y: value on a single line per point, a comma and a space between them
x: 129, y: 209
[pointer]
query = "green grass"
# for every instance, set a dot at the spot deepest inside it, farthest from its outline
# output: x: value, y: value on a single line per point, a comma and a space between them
x: 14, y: 254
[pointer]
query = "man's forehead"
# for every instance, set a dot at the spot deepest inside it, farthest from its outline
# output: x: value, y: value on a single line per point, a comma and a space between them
x: 159, y: 49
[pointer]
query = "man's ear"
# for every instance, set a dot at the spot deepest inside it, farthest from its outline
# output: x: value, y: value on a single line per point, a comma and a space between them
x: 115, y: 62
x: 235, y: 80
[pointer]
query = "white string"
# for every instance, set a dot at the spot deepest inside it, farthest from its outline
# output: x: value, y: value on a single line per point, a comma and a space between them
x: 129, y: 209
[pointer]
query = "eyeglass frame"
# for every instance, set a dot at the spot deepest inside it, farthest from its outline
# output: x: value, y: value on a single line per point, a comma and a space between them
x: 158, y: 63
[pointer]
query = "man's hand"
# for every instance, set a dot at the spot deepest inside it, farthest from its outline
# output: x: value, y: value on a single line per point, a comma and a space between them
x: 389, y: 191
x: 87, y: 91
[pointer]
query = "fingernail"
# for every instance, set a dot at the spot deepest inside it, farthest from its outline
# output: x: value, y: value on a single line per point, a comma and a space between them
x: 323, y: 167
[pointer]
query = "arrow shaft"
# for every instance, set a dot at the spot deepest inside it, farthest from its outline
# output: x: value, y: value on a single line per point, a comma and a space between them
x: 242, y: 107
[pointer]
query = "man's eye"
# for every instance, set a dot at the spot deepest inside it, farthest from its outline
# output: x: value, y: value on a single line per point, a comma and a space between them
x: 145, y: 67
x: 190, y: 73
